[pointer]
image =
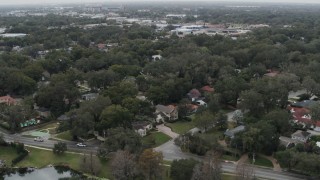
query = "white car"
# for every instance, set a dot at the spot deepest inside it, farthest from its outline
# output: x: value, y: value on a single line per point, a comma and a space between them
x: 81, y: 145
x: 39, y: 139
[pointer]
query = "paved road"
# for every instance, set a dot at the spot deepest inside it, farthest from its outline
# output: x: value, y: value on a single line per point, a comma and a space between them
x: 171, y: 152
x: 47, y: 143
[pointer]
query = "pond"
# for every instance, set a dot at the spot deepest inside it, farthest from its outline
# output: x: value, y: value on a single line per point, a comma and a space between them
x: 48, y: 173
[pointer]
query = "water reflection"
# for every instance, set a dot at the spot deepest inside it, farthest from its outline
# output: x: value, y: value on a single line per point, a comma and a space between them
x: 48, y: 173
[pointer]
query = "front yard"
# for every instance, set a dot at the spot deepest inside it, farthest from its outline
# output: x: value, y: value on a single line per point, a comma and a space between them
x: 66, y: 135
x: 155, y: 139
x: 181, y: 127
x: 261, y: 161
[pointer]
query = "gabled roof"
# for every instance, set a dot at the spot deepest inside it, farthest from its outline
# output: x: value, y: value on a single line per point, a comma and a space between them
x: 301, y: 134
x: 234, y: 131
x: 7, y: 99
x: 305, y: 104
x: 140, y: 124
x: 194, y: 93
x: 207, y: 89
x: 166, y: 109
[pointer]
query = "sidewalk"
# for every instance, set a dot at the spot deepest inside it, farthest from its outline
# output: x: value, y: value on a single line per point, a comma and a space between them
x: 276, y: 165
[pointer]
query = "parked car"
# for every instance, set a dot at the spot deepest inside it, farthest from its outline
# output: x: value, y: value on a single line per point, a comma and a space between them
x: 81, y: 145
x: 39, y: 139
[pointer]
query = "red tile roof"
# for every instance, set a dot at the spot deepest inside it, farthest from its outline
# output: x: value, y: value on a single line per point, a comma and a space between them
x: 207, y: 89
x: 7, y: 100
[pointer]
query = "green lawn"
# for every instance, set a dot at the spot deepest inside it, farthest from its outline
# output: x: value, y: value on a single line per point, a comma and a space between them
x: 261, y: 161
x: 7, y: 154
x: 181, y: 127
x: 230, y: 158
x: 155, y: 139
x: 228, y: 177
x: 65, y: 136
x: 41, y: 158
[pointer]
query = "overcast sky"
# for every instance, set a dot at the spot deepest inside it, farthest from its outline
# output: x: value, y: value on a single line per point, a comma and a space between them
x: 6, y: 2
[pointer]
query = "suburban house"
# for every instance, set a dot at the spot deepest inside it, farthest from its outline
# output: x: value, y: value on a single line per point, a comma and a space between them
x: 8, y: 100
x: 167, y: 113
x: 63, y: 118
x: 207, y: 89
x: 142, y: 127
x: 301, y: 115
x: 89, y: 96
x: 301, y: 136
x: 194, y: 94
x: 156, y: 57
x: 44, y: 112
x: 191, y: 108
x: 232, y: 132
x: 288, y: 142
x: 304, y: 104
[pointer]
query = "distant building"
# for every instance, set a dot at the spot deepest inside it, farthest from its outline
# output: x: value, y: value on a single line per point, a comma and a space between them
x: 89, y: 96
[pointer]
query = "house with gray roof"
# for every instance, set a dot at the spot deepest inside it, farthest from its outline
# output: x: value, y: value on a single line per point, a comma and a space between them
x: 301, y: 136
x: 168, y: 113
x: 232, y: 132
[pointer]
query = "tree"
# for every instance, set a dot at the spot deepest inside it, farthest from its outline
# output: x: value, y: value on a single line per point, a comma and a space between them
x: 121, y: 91
x: 252, y: 101
x: 221, y: 120
x: 90, y: 164
x: 280, y: 119
x: 210, y: 169
x: 59, y: 148
x: 120, y: 139
x: 205, y: 121
x: 124, y: 166
x: 245, y: 171
x: 315, y: 113
x: 95, y: 107
x: 150, y: 163
x: 182, y: 169
x: 115, y: 116
x: 311, y: 86
x: 82, y: 125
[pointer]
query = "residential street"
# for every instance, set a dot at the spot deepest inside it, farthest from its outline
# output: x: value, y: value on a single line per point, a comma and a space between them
x: 48, y: 143
x: 171, y: 152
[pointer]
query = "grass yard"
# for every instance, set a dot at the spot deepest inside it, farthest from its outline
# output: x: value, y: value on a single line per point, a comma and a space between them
x: 155, y: 139
x: 106, y: 169
x: 230, y: 158
x: 181, y: 127
x: 228, y: 177
x: 7, y: 154
x: 65, y: 136
x: 261, y: 161
x: 41, y: 158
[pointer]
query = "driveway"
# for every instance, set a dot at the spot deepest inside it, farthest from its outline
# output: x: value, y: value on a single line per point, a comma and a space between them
x: 166, y: 130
